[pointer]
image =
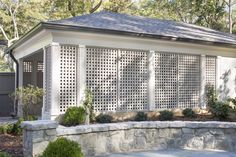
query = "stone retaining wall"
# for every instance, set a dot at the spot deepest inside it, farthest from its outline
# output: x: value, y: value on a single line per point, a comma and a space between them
x: 101, y: 139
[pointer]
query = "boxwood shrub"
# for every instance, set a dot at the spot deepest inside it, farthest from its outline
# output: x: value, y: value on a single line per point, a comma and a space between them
x: 166, y: 115
x: 188, y: 112
x: 141, y: 116
x: 104, y: 118
x: 63, y: 147
x: 74, y: 116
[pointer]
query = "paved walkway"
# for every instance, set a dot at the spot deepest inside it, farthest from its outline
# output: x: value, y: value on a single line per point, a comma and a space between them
x: 7, y: 120
x: 177, y: 153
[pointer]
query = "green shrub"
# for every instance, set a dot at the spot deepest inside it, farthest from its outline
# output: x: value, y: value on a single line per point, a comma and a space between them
x: 211, y: 96
x: 220, y: 110
x: 74, y: 116
x: 3, y: 154
x: 6, y: 129
x: 166, y: 115
x: 104, y: 118
x: 188, y: 112
x: 16, y: 129
x: 62, y: 147
x: 141, y: 116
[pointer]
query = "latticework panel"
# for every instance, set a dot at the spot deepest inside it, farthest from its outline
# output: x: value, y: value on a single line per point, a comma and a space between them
x: 101, y: 77
x: 40, y: 66
x: 133, y: 80
x: 211, y: 71
x: 189, y: 81
x: 166, y: 75
x: 27, y: 66
x: 67, y: 77
x: 47, y: 79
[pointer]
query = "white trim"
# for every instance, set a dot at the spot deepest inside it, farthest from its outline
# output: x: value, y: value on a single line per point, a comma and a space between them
x: 32, y: 45
x: 125, y: 42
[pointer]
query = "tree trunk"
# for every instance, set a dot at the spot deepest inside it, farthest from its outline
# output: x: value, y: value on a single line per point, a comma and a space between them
x: 230, y: 17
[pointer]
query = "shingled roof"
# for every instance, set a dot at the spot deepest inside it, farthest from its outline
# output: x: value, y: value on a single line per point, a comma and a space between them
x: 147, y: 26
x: 122, y: 24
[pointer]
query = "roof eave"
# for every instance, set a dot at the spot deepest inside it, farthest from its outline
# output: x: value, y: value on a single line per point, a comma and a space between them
x: 46, y: 25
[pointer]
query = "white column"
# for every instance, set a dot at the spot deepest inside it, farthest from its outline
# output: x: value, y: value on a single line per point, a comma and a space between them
x: 21, y: 72
x: 151, y: 80
x: 218, y: 75
x: 203, y: 82
x: 55, y: 80
x: 45, y: 113
x: 81, y: 74
x: 34, y: 72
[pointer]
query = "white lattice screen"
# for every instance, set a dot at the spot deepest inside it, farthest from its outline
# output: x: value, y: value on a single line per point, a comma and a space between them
x: 133, y: 80
x: 211, y: 70
x: 68, y: 78
x: 189, y: 81
x: 177, y: 80
x: 27, y: 66
x: 101, y: 77
x: 166, y: 78
x: 40, y: 66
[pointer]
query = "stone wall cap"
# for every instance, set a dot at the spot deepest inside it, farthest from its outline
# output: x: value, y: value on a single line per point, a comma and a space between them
x: 39, y: 125
x: 61, y: 130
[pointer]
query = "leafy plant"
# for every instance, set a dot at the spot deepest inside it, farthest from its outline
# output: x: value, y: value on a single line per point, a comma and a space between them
x: 63, y: 147
x: 141, y: 116
x: 3, y: 154
x: 188, y: 112
x: 28, y: 96
x: 233, y: 100
x: 74, y: 116
x: 88, y: 106
x: 16, y: 129
x: 104, y: 118
x: 166, y: 115
x: 221, y: 110
x: 6, y: 129
x: 211, y: 96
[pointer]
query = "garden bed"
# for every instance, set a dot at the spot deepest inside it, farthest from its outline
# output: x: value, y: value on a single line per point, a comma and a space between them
x: 11, y: 144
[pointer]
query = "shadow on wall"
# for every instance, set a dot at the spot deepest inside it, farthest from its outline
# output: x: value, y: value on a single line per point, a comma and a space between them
x: 223, y: 89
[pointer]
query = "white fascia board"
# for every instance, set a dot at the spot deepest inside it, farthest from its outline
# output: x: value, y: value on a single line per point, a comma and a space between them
x: 125, y: 42
x: 33, y: 44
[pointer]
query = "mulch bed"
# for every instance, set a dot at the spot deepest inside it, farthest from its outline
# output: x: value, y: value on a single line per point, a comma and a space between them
x: 11, y: 144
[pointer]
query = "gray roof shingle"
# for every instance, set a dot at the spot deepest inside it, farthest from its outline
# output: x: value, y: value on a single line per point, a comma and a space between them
x: 135, y: 24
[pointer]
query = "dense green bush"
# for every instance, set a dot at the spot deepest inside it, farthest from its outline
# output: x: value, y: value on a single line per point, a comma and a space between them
x: 63, y: 147
x: 6, y: 128
x: 16, y: 129
x: 3, y: 154
x: 220, y: 110
x: 211, y: 96
x: 166, y: 115
x: 104, y: 118
x: 74, y: 116
x: 141, y: 116
x: 188, y: 112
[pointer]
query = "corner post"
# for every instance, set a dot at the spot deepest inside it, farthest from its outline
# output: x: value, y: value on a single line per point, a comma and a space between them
x: 151, y: 80
x: 202, y: 82
x: 55, y: 80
